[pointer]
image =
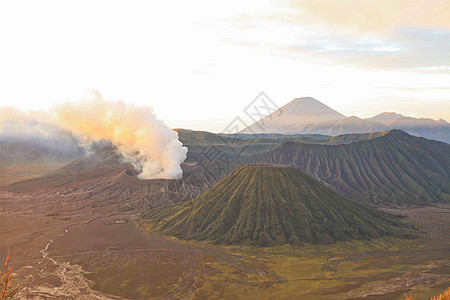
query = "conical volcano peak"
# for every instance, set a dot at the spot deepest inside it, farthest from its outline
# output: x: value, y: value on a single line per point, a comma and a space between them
x: 309, y: 105
x: 307, y: 100
x: 265, y: 205
x: 295, y: 115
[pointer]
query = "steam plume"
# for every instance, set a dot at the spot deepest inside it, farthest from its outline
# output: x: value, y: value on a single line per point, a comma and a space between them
x: 29, y: 137
x: 136, y: 131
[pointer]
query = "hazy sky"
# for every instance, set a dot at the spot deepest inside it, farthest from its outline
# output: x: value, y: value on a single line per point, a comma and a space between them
x: 199, y: 63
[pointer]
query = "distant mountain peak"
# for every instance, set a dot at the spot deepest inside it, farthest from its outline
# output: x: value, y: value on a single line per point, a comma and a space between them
x: 307, y: 115
x: 390, y: 114
x: 295, y: 114
x: 311, y: 105
x: 354, y: 118
x: 386, y: 117
x: 306, y: 99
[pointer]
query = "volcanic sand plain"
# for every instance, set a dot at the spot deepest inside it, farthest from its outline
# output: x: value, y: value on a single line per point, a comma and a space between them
x: 91, y: 254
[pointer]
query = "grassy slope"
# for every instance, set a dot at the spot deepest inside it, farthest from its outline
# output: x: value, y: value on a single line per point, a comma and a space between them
x: 266, y: 205
x: 394, y: 169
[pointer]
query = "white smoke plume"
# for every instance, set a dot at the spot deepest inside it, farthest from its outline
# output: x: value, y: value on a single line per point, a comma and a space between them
x: 138, y: 134
x: 135, y: 130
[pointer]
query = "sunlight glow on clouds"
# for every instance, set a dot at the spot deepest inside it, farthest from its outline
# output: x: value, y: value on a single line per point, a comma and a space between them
x: 409, y: 35
x: 199, y: 63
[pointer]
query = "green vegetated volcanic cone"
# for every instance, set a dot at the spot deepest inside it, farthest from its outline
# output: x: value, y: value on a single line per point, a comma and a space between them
x: 264, y: 205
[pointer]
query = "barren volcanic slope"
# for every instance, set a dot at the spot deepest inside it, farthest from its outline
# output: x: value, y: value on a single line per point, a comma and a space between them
x: 104, y: 177
x: 269, y: 205
x: 394, y: 169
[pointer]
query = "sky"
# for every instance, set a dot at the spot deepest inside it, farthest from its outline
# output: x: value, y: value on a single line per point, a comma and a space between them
x: 200, y: 63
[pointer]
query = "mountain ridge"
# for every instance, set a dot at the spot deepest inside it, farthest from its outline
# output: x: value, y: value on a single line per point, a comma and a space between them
x: 266, y: 205
x: 390, y: 168
x: 425, y: 127
x: 393, y: 169
x: 309, y: 116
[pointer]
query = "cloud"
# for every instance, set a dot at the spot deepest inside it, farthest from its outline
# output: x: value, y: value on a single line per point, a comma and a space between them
x: 375, y: 16
x: 77, y: 127
x: 418, y: 49
x: 401, y: 35
x: 416, y: 88
x: 135, y: 130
